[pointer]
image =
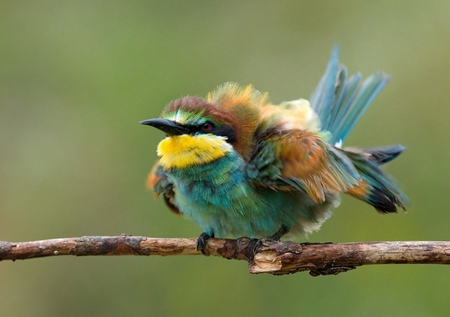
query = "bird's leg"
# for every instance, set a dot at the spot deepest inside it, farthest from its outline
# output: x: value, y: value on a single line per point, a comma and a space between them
x: 201, y: 242
x: 275, y: 237
x: 281, y: 232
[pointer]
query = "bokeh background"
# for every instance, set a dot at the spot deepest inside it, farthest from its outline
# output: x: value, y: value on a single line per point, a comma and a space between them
x: 76, y: 77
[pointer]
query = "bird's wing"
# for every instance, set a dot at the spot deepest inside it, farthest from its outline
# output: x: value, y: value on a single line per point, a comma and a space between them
x: 158, y: 183
x: 300, y: 160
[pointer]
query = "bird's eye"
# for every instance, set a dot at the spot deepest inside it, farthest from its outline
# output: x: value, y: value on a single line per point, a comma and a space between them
x: 207, y: 126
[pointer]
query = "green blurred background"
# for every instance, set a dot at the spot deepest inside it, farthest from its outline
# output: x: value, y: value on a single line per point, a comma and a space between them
x: 76, y: 77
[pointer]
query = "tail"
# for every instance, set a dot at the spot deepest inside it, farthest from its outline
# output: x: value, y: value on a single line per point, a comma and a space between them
x: 377, y: 187
x: 380, y: 155
x: 339, y: 102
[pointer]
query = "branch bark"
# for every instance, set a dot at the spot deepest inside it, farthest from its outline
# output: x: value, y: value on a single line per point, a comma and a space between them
x: 272, y: 257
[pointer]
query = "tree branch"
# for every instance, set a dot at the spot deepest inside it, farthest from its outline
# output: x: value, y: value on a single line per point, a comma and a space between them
x: 272, y: 257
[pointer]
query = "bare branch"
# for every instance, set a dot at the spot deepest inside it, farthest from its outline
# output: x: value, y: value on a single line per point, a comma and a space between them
x: 276, y: 258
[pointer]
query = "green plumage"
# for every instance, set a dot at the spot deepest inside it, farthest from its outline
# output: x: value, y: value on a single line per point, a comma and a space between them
x: 275, y: 166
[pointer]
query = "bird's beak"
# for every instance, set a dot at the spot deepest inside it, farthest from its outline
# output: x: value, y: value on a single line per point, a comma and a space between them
x: 168, y: 126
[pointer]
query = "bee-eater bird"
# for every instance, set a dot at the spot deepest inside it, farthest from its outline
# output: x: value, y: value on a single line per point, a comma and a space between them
x: 240, y: 166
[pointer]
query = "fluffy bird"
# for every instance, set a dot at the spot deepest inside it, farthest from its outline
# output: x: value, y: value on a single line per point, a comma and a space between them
x: 240, y: 166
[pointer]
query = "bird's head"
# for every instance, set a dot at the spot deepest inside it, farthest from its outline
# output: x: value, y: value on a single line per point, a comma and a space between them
x: 200, y: 130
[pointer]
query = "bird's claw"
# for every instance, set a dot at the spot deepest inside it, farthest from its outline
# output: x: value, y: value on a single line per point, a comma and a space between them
x: 264, y: 242
x: 202, y: 241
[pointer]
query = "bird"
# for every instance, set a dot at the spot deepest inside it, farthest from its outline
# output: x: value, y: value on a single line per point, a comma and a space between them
x: 240, y: 166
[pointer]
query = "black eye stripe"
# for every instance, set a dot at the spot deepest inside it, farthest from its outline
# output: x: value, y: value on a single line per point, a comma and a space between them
x: 227, y: 131
x: 224, y: 130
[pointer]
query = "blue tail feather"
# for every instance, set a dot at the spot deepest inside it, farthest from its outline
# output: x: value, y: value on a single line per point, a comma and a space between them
x: 339, y: 102
x: 369, y: 89
x: 343, y: 105
x: 322, y: 98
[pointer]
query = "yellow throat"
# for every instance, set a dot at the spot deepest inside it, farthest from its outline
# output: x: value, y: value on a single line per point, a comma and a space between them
x: 182, y: 151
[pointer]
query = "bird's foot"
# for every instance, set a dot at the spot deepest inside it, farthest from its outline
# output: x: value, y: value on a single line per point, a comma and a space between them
x: 201, y: 242
x: 264, y: 242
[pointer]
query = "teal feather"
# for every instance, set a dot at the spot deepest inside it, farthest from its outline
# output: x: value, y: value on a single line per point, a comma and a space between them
x: 339, y: 102
x: 369, y: 89
x: 233, y: 206
x: 323, y: 98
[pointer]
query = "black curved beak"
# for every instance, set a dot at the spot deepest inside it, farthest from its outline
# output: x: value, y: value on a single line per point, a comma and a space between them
x: 167, y: 126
